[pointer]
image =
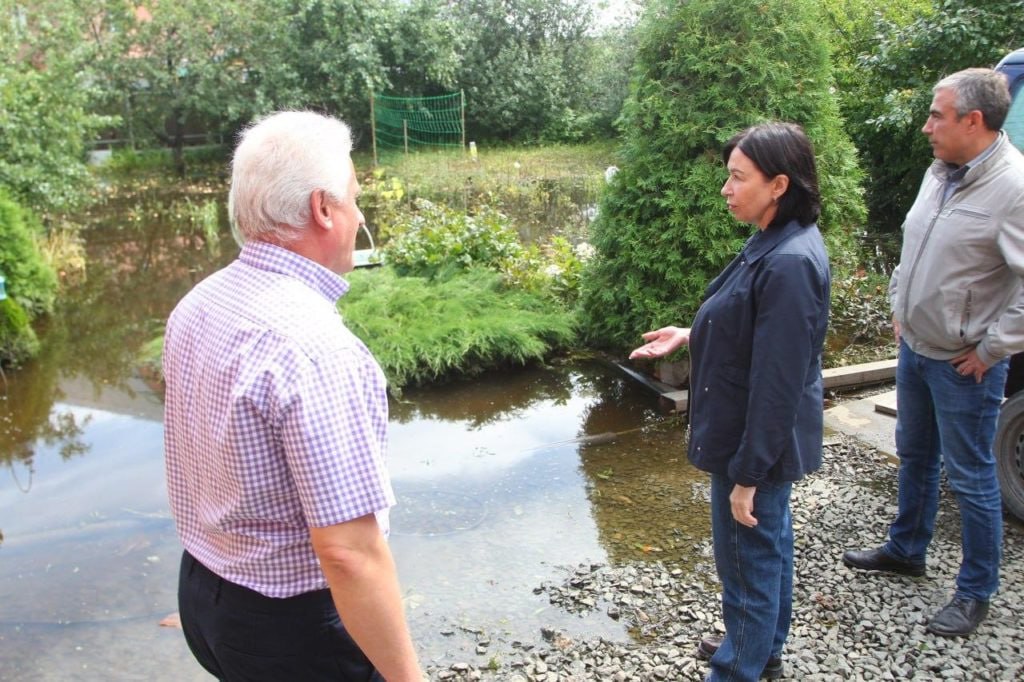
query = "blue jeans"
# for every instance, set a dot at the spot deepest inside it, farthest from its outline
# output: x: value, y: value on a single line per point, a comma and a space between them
x: 947, y: 419
x: 755, y: 566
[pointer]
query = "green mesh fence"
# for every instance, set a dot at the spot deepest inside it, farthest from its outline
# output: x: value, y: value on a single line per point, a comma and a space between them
x: 410, y: 123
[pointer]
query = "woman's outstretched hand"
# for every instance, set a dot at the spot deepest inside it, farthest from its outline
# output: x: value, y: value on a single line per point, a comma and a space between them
x: 661, y: 342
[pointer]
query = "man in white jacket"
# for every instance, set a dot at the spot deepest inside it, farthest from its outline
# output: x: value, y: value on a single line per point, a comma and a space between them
x: 958, y: 313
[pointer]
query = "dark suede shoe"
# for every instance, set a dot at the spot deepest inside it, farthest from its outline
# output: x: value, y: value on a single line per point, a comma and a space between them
x: 960, y: 617
x: 878, y: 560
x: 709, y: 645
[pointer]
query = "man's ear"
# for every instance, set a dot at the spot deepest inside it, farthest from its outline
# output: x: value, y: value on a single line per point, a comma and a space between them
x: 320, y: 210
x: 976, y: 118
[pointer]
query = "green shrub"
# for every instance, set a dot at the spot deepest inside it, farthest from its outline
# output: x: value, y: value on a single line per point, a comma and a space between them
x: 705, y: 70
x: 860, y: 328
x: 422, y: 330
x: 553, y: 269
x: 17, y: 340
x: 30, y: 280
x: 436, y: 238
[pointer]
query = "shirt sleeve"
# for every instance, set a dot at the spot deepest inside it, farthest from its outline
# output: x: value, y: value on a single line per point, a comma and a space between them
x: 334, y: 437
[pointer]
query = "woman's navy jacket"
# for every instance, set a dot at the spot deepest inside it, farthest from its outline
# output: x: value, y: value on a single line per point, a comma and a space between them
x: 755, y: 345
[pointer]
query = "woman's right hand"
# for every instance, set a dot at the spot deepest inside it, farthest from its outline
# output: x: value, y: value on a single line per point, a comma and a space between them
x: 661, y: 342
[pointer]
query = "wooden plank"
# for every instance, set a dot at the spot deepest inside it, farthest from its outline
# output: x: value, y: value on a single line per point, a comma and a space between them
x: 885, y: 403
x: 859, y: 375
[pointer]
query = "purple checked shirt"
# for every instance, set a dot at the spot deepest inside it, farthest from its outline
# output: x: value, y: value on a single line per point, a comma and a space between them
x: 275, y: 420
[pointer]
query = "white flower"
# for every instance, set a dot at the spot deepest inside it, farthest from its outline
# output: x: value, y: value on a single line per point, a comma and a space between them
x: 552, y: 271
x: 584, y: 251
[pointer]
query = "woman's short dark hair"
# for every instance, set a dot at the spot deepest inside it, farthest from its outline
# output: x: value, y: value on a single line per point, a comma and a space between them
x: 783, y: 149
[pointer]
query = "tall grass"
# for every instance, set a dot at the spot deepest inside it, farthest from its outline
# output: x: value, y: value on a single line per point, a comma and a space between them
x: 423, y: 330
x: 545, y: 190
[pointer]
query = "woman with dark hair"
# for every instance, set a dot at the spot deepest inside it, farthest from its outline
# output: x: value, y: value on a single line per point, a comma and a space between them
x: 756, y: 390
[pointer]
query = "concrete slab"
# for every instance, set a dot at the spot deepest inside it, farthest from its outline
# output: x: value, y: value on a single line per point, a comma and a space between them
x: 886, y: 403
x: 862, y: 420
x: 859, y: 375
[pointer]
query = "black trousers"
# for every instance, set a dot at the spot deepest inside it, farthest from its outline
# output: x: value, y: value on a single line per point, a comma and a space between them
x: 238, y: 634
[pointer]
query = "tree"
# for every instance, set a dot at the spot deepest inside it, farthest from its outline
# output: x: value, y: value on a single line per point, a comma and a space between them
x: 705, y: 70
x: 521, y: 61
x: 47, y: 105
x: 178, y: 67
x: 887, y: 107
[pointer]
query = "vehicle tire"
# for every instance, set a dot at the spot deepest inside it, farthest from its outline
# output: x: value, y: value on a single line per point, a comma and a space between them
x: 1009, y: 453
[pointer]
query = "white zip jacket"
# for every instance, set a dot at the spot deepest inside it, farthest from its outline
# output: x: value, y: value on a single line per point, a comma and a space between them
x: 959, y: 281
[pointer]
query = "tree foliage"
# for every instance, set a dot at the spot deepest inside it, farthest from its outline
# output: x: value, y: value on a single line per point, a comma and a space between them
x: 47, y: 104
x: 887, y: 102
x: 705, y: 70
x: 524, y: 66
x: 30, y: 282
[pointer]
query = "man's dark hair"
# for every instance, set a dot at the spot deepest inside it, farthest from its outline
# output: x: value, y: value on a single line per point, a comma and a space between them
x: 783, y: 149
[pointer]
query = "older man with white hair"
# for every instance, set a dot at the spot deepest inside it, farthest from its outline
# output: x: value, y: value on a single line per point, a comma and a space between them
x: 276, y: 431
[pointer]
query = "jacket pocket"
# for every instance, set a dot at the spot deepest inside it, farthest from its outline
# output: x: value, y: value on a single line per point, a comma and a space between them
x: 965, y: 317
x: 970, y: 211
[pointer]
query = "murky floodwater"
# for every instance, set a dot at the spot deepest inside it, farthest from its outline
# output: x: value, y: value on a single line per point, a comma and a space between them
x: 503, y: 483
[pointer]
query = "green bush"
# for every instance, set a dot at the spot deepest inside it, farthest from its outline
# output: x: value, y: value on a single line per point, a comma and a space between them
x: 30, y: 280
x: 436, y: 238
x: 705, y: 70
x: 422, y: 330
x: 553, y: 269
x: 17, y: 340
x: 860, y: 328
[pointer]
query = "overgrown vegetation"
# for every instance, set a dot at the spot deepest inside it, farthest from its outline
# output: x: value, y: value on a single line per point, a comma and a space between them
x: 533, y: 71
x: 860, y: 325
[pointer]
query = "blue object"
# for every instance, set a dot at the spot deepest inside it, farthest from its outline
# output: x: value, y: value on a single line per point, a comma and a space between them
x: 1013, y: 66
x: 3, y: 288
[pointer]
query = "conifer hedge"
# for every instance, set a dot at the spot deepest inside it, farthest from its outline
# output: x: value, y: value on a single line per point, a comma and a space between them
x: 705, y: 70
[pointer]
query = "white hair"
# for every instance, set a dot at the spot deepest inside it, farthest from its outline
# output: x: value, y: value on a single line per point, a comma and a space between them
x: 279, y: 162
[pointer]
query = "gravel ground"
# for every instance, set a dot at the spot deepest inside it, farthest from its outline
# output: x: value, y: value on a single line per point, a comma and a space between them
x: 847, y: 625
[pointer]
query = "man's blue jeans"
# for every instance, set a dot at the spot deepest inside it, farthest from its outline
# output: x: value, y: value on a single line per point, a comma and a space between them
x: 947, y: 419
x: 755, y: 566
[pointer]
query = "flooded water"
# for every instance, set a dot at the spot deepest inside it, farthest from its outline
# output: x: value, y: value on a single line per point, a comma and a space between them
x: 503, y: 483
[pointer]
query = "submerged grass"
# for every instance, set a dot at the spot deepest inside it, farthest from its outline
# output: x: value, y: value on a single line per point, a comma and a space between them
x: 544, y: 190
x: 424, y: 330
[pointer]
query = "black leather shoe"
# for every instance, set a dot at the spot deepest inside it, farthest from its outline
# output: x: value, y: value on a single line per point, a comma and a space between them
x: 960, y: 617
x: 709, y: 645
x: 879, y: 560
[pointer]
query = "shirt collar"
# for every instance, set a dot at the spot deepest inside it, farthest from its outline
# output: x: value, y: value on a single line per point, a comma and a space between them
x: 273, y: 258
x: 957, y: 173
x: 763, y: 241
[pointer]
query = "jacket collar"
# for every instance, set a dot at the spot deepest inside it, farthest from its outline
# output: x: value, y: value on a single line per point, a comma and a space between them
x: 975, y: 167
x: 762, y: 242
